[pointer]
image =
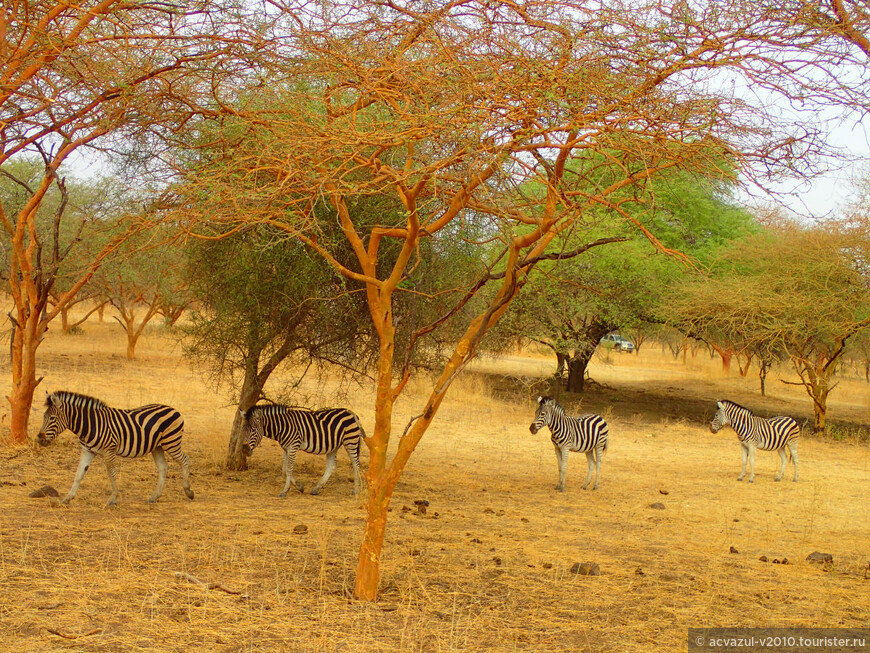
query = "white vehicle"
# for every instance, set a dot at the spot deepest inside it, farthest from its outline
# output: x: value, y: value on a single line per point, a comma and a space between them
x: 617, y: 342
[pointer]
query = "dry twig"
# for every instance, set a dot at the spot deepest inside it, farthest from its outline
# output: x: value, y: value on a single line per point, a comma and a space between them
x: 180, y: 575
x: 67, y: 636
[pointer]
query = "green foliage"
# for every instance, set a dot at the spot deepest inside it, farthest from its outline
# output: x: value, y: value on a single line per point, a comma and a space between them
x: 570, y: 304
x: 261, y: 294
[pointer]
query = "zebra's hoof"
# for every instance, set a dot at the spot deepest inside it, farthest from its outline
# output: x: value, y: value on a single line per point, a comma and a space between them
x: 66, y: 501
x: 751, y: 480
x: 189, y: 493
x: 283, y: 495
x: 777, y: 480
x: 739, y: 478
x: 315, y: 491
x: 153, y: 499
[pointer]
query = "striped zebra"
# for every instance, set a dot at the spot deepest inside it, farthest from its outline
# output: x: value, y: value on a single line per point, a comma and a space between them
x: 587, y: 433
x: 116, y: 432
x: 313, y: 431
x: 773, y: 434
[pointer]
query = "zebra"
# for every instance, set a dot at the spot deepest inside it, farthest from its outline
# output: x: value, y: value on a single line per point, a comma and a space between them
x: 321, y: 431
x: 771, y: 434
x: 114, y: 432
x: 587, y: 433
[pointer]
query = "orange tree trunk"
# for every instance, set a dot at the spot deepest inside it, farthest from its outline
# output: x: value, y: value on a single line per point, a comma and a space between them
x: 25, y: 341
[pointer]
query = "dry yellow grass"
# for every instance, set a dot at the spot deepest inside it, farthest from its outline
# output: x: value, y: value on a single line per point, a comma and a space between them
x: 487, y: 568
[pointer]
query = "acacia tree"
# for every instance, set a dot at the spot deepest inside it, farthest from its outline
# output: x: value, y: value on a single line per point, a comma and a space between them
x: 801, y: 293
x: 447, y: 105
x: 75, y: 77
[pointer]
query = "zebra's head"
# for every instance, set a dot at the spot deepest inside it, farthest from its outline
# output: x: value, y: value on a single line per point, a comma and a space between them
x: 543, y: 414
x: 721, y: 418
x: 53, y: 421
x: 252, y: 429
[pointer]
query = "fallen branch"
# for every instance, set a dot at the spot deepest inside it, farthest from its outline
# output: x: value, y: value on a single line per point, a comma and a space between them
x: 67, y: 636
x: 180, y: 575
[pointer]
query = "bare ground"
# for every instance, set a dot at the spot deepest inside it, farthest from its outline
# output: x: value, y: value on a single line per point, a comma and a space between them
x: 486, y: 568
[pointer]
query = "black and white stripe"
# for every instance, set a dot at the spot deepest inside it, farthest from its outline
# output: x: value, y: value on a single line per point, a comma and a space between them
x: 768, y: 434
x: 322, y: 431
x: 587, y: 433
x: 115, y: 432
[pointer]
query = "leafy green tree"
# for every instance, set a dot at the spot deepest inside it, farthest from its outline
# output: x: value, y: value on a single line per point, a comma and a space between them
x: 572, y: 304
x: 263, y: 301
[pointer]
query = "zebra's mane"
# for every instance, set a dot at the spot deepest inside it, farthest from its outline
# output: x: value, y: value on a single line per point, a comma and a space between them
x: 735, y: 404
x: 552, y: 402
x: 75, y: 398
x: 270, y: 409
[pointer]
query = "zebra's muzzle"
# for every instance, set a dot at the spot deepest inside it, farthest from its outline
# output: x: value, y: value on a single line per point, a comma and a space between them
x: 533, y: 429
x: 42, y: 440
x: 247, y: 450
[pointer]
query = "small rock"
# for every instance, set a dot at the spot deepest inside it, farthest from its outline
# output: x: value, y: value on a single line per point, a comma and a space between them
x: 639, y: 572
x: 300, y: 529
x: 821, y: 558
x: 44, y: 491
x: 497, y: 561
x: 488, y: 511
x: 586, y: 569
x: 414, y: 552
x: 657, y: 506
x: 421, y: 502
x: 733, y: 550
x: 784, y: 561
x: 476, y: 540
x: 547, y: 565
x: 524, y: 520
x: 763, y: 558
x: 665, y: 492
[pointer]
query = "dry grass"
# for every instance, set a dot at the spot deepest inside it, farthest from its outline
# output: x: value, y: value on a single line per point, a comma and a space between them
x: 487, y: 568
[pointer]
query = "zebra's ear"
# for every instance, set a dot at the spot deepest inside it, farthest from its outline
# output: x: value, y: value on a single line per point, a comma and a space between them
x: 47, y: 399
x: 540, y: 399
x: 718, y: 404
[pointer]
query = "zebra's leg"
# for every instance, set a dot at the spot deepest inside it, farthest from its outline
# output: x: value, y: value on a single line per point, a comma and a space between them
x: 562, y: 459
x: 590, y: 459
x: 354, y: 461
x: 330, y: 467
x: 744, y: 453
x: 598, y: 454
x: 289, y: 464
x: 784, y: 460
x: 162, y: 468
x: 751, y: 464
x: 792, y: 449
x: 84, y: 463
x: 112, y: 469
x: 183, y: 462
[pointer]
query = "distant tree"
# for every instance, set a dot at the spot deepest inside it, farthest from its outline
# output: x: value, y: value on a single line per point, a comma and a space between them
x: 797, y: 292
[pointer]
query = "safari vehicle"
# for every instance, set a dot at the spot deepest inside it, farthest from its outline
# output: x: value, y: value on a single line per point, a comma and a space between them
x: 617, y: 342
